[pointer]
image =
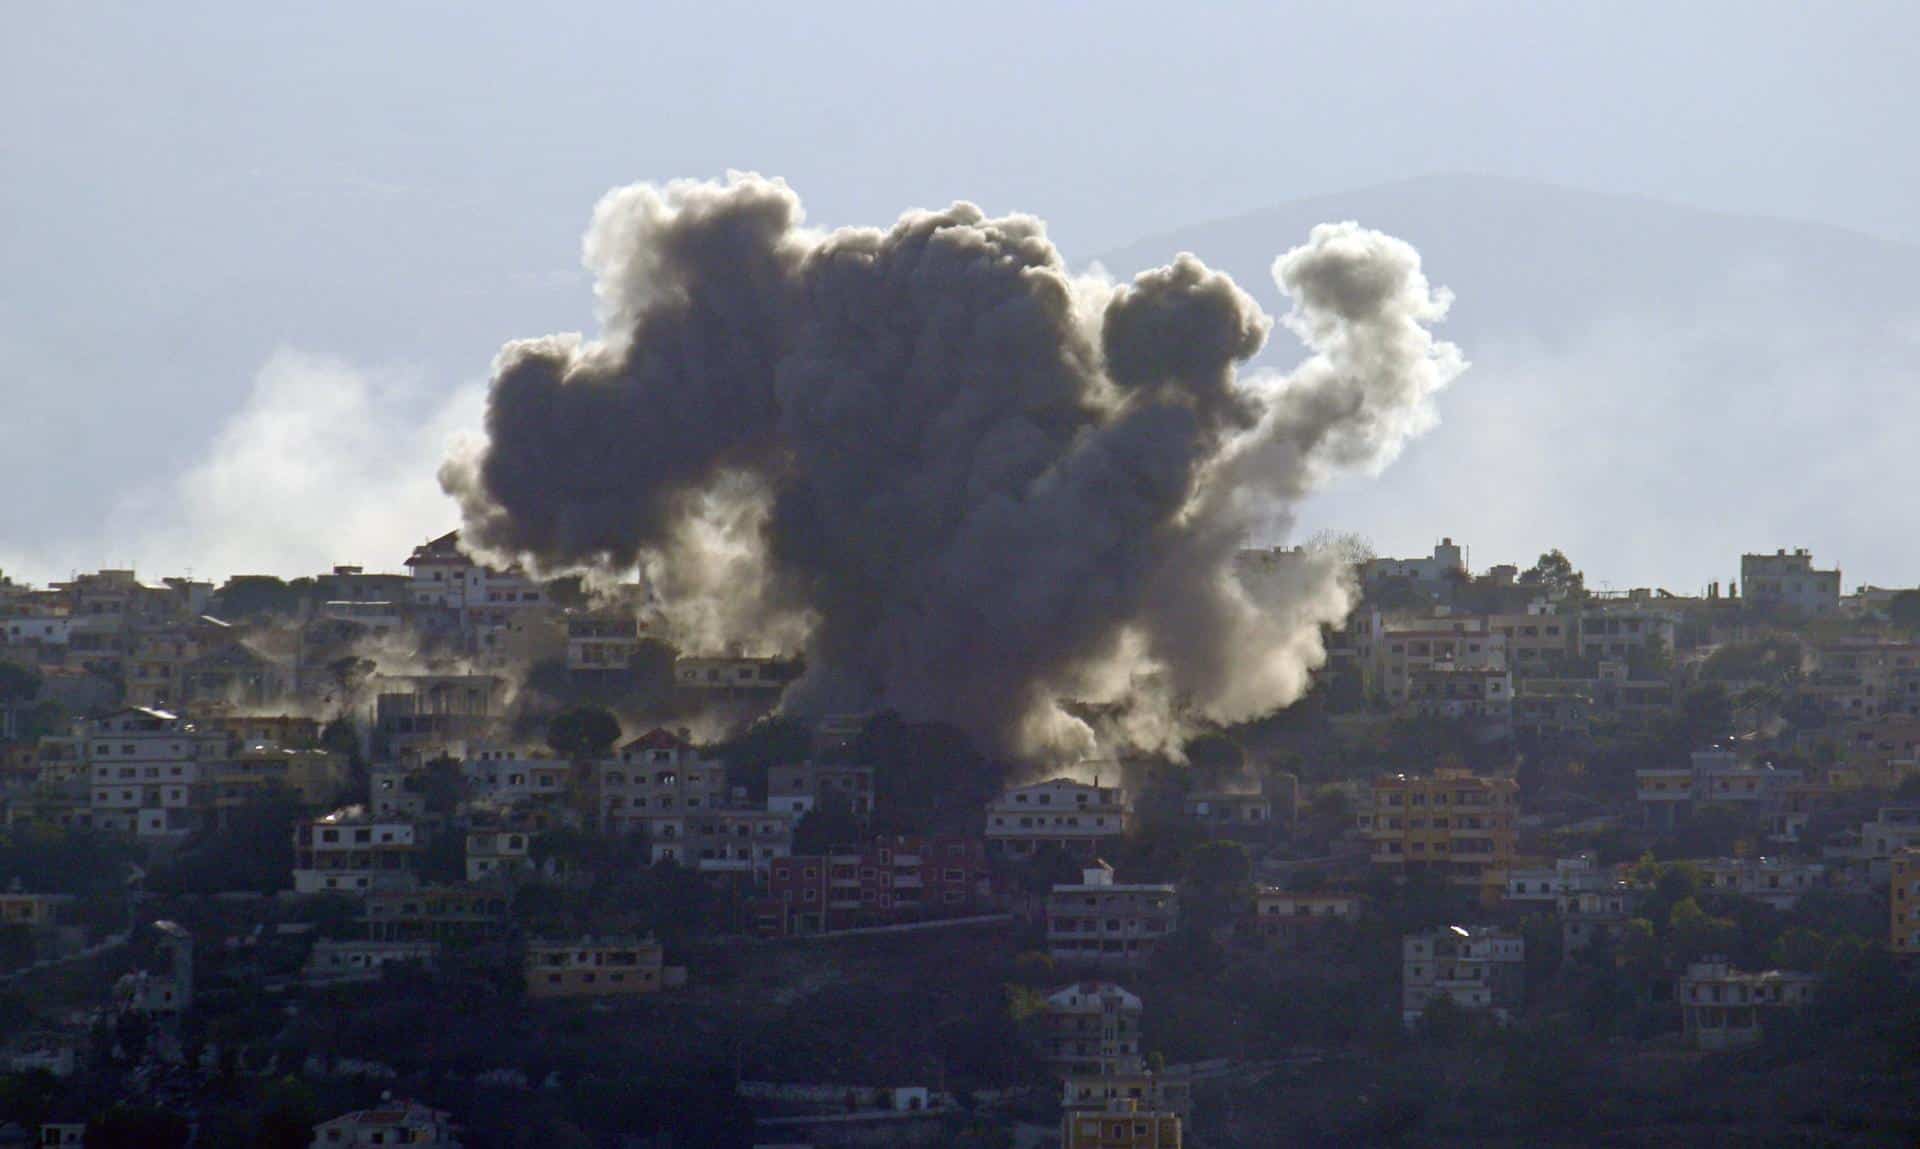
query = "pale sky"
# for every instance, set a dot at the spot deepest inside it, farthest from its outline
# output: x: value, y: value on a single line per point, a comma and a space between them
x: 200, y: 201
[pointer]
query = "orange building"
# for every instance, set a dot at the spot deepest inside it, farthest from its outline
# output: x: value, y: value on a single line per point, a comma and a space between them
x: 599, y: 967
x: 1121, y: 1126
x: 1904, y: 898
x: 1454, y: 823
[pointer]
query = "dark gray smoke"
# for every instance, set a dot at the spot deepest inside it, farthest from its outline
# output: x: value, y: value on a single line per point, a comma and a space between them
x: 970, y: 483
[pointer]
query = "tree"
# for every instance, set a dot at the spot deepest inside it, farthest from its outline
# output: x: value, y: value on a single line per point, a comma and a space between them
x: 830, y: 823
x: 18, y: 683
x: 775, y: 740
x: 1904, y: 610
x: 244, y: 596
x: 288, y: 1112
x: 1693, y: 933
x: 583, y: 732
x: 253, y: 851
x: 137, y: 1127
x: 442, y: 785
x: 1554, y: 573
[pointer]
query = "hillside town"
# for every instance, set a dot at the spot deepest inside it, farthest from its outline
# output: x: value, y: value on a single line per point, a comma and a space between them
x: 456, y: 856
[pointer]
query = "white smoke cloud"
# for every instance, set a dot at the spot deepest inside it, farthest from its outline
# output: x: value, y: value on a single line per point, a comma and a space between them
x: 324, y: 463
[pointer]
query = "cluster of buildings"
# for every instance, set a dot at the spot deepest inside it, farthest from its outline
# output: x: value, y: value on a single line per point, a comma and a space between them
x: 177, y: 718
x: 1090, y: 1039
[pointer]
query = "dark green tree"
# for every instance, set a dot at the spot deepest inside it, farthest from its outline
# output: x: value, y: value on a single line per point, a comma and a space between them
x: 583, y: 732
x: 18, y: 683
x: 830, y: 823
x: 137, y: 1127
x: 1554, y: 573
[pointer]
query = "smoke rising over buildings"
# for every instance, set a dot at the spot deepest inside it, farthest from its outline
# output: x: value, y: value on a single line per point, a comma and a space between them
x: 975, y: 486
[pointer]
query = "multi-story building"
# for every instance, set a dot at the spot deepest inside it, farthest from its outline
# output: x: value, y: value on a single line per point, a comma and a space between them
x: 233, y: 676
x: 1882, y: 752
x: 734, y: 676
x: 1623, y: 632
x: 393, y: 1123
x: 1230, y: 813
x: 1863, y: 678
x: 1392, y: 654
x: 434, y: 913
x: 601, y: 641
x: 891, y: 880
x: 154, y: 667
x: 1537, y: 644
x: 1789, y: 580
x: 507, y: 776
x: 443, y: 577
x: 599, y: 967
x: 1100, y: 922
x: 147, y: 773
x: 1777, y: 882
x: 1060, y: 813
x: 1893, y: 829
x: 440, y: 574
x: 1453, y: 823
x: 1545, y: 885
x: 425, y: 713
x: 1288, y: 918
x: 287, y: 731
x: 1589, y: 914
x: 1122, y: 1125
x: 1903, y: 902
x: 1481, y: 696
x: 1669, y: 795
x: 730, y: 841
x: 1446, y: 564
x: 1557, y: 709
x: 352, y: 852
x: 1481, y: 969
x: 44, y: 636
x: 338, y: 961
x: 1165, y: 1092
x: 495, y: 853
x: 1091, y: 1027
x: 1725, y: 1008
x: 243, y: 777
x: 654, y: 783
x: 797, y: 789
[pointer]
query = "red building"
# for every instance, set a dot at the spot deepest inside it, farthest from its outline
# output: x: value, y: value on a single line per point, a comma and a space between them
x: 887, y: 882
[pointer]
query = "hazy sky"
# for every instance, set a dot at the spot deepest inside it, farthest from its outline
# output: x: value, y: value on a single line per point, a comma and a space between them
x: 212, y: 215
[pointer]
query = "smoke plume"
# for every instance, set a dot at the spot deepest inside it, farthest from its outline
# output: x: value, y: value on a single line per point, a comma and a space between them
x: 972, y: 483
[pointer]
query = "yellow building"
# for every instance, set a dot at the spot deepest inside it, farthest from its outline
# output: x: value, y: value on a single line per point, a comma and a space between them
x: 1122, y: 1126
x: 32, y: 910
x: 599, y: 967
x: 1905, y: 900
x: 1454, y: 823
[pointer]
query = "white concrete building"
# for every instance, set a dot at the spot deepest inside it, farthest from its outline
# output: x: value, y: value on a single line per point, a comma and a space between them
x: 1092, y: 1027
x: 352, y: 852
x: 497, y: 853
x: 1778, y: 882
x: 1790, y: 581
x: 1060, y: 812
x: 1100, y: 922
x: 392, y: 1123
x: 653, y: 783
x: 1481, y: 969
x: 796, y: 789
x: 147, y: 773
x: 336, y: 962
x: 1725, y: 1008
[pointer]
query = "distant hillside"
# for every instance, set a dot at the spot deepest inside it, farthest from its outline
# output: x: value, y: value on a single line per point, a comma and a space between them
x: 1655, y: 388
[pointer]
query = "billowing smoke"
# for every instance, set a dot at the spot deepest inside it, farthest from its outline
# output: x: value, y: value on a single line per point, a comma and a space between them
x: 974, y: 485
